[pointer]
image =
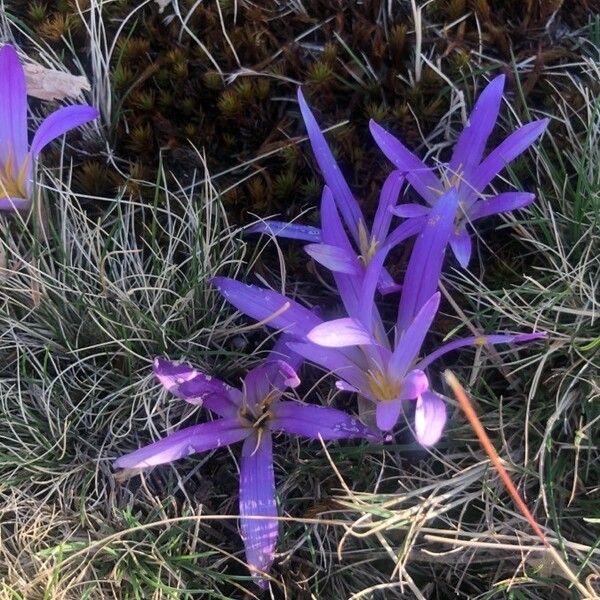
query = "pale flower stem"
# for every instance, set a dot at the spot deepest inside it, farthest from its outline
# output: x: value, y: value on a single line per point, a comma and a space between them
x: 40, y: 234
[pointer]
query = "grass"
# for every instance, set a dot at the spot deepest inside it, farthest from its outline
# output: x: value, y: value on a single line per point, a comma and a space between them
x: 111, y: 282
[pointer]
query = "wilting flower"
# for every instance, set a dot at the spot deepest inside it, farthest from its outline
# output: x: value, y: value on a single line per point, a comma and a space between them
x: 251, y: 414
x: 367, y: 241
x: 356, y: 348
x: 17, y: 158
x: 467, y: 172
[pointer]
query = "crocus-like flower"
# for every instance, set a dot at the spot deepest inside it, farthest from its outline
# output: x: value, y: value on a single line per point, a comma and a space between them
x: 356, y: 348
x: 467, y: 172
x: 367, y: 242
x: 251, y: 414
x: 17, y: 158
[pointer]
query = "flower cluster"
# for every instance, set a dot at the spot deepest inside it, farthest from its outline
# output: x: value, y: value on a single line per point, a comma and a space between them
x: 386, y: 372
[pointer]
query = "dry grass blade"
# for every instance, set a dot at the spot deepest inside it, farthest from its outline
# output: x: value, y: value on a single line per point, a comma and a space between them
x: 485, y: 441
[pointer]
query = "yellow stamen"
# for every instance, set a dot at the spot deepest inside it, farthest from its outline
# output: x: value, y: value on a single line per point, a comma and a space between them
x: 382, y: 387
x: 13, y: 183
x: 368, y: 247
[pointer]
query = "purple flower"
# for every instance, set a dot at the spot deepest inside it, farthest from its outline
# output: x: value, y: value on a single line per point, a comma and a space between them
x: 367, y: 242
x: 251, y: 414
x: 17, y: 158
x: 356, y: 348
x: 467, y: 172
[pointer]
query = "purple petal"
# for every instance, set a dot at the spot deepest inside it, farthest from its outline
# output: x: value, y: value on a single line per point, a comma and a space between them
x: 482, y: 340
x: 344, y: 199
x: 460, y: 242
x: 367, y: 310
x: 334, y: 258
x: 261, y: 381
x: 409, y: 343
x: 335, y: 361
x: 282, y: 352
x: 386, y: 285
x: 418, y: 173
x: 409, y: 211
x: 12, y: 204
x: 340, y: 333
x: 262, y: 304
x: 499, y: 204
x: 257, y: 499
x: 387, y: 199
x: 312, y: 421
x: 293, y: 231
x: 425, y: 263
x: 257, y: 384
x: 405, y: 230
x: 13, y: 109
x: 413, y: 385
x: 59, y: 122
x: 430, y: 418
x: 387, y: 413
x: 471, y: 144
x: 516, y: 143
x: 333, y: 233
x: 193, y: 386
x: 182, y: 443
x: 346, y: 387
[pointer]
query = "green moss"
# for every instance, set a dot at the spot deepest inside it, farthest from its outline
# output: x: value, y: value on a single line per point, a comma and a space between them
x: 168, y: 89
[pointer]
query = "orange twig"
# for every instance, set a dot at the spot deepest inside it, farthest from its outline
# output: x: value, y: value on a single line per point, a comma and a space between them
x: 485, y: 441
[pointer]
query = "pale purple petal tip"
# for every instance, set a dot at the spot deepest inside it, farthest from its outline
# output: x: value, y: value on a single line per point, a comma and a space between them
x: 195, y: 387
x: 506, y: 202
x: 340, y: 333
x: 430, y: 418
x: 288, y: 374
x: 414, y: 384
x: 172, y: 374
x: 461, y: 245
x: 344, y: 199
x: 334, y: 258
x: 262, y: 304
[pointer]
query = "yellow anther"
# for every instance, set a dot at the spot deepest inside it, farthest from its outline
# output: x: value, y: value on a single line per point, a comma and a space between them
x: 382, y: 387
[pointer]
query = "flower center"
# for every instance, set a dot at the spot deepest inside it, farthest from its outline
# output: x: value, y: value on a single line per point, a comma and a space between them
x: 259, y: 415
x: 382, y: 387
x: 368, y: 247
x: 13, y: 183
x: 450, y: 179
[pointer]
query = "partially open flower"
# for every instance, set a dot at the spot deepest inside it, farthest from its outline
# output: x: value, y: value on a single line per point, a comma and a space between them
x: 17, y: 157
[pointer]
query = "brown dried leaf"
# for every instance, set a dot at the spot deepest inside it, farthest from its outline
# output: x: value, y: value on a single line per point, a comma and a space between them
x: 49, y: 84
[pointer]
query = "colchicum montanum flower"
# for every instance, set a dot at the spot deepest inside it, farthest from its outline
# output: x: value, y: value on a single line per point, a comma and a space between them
x: 356, y: 348
x: 467, y: 172
x: 366, y: 241
x: 250, y: 414
x: 17, y: 157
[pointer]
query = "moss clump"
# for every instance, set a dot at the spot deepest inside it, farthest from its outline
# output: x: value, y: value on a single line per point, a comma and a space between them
x: 169, y: 91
